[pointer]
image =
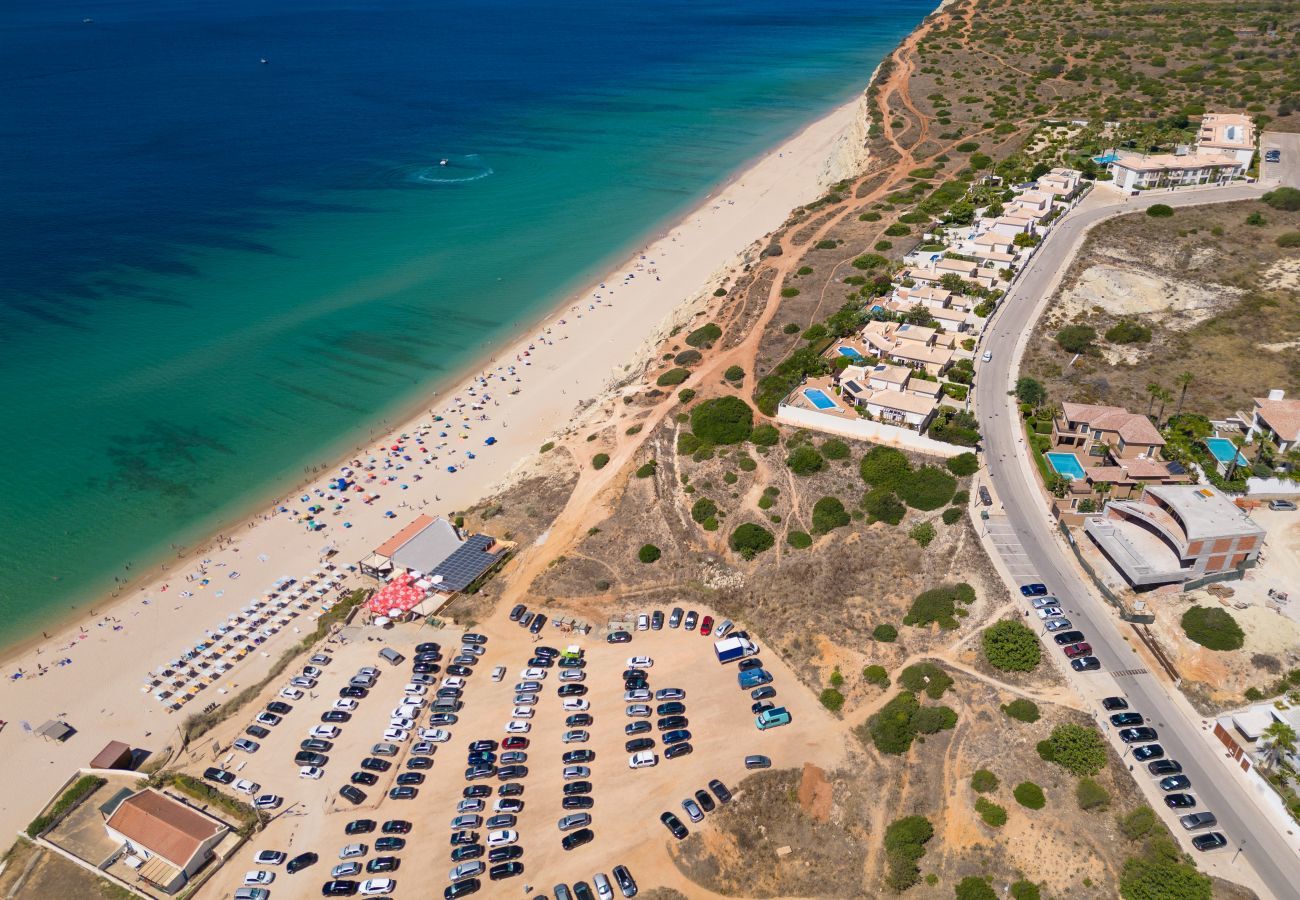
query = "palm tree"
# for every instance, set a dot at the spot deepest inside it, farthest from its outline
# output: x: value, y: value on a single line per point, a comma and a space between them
x: 1184, y: 381
x: 1276, y: 743
x: 1164, y: 397
x: 1153, y: 390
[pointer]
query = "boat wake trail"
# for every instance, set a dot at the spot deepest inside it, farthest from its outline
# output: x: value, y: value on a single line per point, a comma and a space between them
x: 451, y: 170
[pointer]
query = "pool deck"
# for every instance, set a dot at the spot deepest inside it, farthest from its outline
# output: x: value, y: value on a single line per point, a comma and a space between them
x: 826, y: 385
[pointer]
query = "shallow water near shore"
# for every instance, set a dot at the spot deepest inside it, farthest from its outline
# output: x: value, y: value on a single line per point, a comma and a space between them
x: 216, y: 271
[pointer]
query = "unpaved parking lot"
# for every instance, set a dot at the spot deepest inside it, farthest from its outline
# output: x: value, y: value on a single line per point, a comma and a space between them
x: 627, y: 802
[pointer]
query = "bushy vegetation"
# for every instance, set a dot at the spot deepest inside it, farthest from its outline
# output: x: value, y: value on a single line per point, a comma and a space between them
x: 600, y: 460
x: 831, y: 699
x: 1160, y: 211
x: 801, y: 364
x: 927, y: 488
x: 1091, y: 795
x: 673, y: 377
x: 206, y: 793
x: 648, y: 553
x: 973, y: 887
x: 688, y: 358
x: 885, y: 467
x: 951, y: 515
x: 1022, y: 710
x: 1285, y: 198
x: 923, y: 533
x: 800, y: 540
x: 899, y: 721
x: 805, y: 460
x: 1012, y: 646
x: 1162, y: 872
x: 876, y: 675
x: 722, y: 420
x: 925, y: 677
x: 765, y: 435
x: 1076, y: 748
x: 734, y: 373
x: 905, y: 841
x: 884, y: 506
x: 885, y: 633
x: 939, y: 605
x: 703, y: 509
x: 835, y: 449
x: 1025, y: 890
x: 750, y: 539
x: 963, y: 464
x: 646, y: 469
x: 1213, y: 627
x: 828, y: 514
x: 1126, y: 331
x: 1076, y: 338
x: 704, y: 336
x: 1029, y: 795
x: 1140, y: 823
x: 984, y: 781
x: 80, y: 789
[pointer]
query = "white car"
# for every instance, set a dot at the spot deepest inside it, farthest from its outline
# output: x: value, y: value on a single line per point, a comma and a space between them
x: 270, y: 857
x: 988, y: 356
x: 516, y: 726
x: 1048, y: 612
x: 639, y: 662
x: 533, y: 674
x: 642, y: 622
x: 325, y: 732
x: 311, y: 672
x: 258, y: 876
x: 522, y: 712
x: 372, y: 887
x: 436, y: 735
x: 576, y: 704
x: 397, y: 734
x: 312, y: 772
x: 268, y: 801
x: 453, y: 681
x: 498, y: 673
x: 502, y: 838
x: 414, y: 700
x: 291, y: 693
x: 643, y: 760
x: 244, y: 786
x: 415, y: 690
x: 403, y: 722
x: 345, y: 704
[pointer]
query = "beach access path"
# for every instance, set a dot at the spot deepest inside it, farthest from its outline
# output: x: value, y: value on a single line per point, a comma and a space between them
x: 594, y: 341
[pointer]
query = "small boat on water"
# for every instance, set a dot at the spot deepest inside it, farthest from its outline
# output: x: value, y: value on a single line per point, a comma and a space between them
x: 442, y: 162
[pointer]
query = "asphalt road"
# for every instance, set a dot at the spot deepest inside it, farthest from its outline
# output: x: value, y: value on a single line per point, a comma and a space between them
x: 1269, y: 852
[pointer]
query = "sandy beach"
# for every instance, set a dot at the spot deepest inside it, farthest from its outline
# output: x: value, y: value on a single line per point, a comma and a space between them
x: 92, y: 673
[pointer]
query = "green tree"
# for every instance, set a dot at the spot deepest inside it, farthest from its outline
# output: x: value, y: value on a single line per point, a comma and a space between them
x: 722, y: 420
x: 885, y: 633
x: 905, y: 841
x: 1076, y: 338
x: 963, y: 464
x: 765, y: 435
x: 1012, y: 646
x: 1278, y: 742
x: 805, y: 460
x: 1184, y: 381
x: 972, y: 887
x: 1091, y: 795
x: 1029, y: 795
x: 884, y: 506
x: 828, y: 514
x: 648, y: 553
x: 1076, y: 748
x: 876, y: 675
x: 1213, y: 627
x: 749, y: 540
x: 1022, y: 710
x: 885, y: 467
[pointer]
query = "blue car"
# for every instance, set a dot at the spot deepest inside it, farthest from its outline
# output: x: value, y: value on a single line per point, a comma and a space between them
x: 1033, y: 590
x: 753, y: 678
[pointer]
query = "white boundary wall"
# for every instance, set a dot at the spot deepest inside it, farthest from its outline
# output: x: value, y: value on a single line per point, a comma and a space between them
x: 864, y: 430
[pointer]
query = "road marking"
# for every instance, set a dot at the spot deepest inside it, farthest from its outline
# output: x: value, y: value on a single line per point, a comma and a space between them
x: 1126, y: 672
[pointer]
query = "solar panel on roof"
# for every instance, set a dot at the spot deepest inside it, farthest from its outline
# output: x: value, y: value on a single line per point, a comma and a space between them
x: 470, y: 560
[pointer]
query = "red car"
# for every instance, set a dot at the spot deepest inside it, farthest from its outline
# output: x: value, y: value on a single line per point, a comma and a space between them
x: 706, y: 625
x: 515, y: 743
x: 1078, y: 650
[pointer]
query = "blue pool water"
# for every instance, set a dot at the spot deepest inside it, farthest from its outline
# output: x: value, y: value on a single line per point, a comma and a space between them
x: 1106, y: 160
x: 849, y: 352
x: 1066, y: 465
x: 1223, y: 449
x: 818, y: 398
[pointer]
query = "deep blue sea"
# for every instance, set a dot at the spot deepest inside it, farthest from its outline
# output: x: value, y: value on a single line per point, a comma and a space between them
x: 211, y: 267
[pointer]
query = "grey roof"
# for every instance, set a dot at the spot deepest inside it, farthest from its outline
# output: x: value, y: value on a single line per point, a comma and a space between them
x: 1205, y: 512
x: 471, y: 560
x: 428, y: 549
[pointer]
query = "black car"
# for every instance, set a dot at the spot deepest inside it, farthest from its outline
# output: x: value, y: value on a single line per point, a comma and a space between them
x: 577, y: 757
x: 657, y: 619
x: 484, y: 745
x: 510, y: 790
x: 619, y: 637
x: 353, y: 692
x: 427, y: 668
x: 517, y: 612
x: 574, y: 664
x: 389, y: 844
x: 752, y: 663
x: 505, y: 870
x: 402, y: 792
x: 220, y: 776
x: 1211, y: 841
x: 460, y: 671
x: 670, y: 709
x: 1085, y: 664
x: 640, y: 726
x: 1136, y: 735
x: 1180, y: 801
x: 1165, y: 767
x: 510, y: 773
x: 636, y: 684
x: 475, y: 639
x: 538, y: 622
x: 638, y: 744
x: 581, y: 891
x: 461, y: 889
x: 359, y: 826
x: 335, y: 716
x: 1114, y: 704
x: 577, y: 803
x: 366, y: 778
x: 466, y: 852
x: 410, y: 778
x: 300, y: 862
x: 339, y: 887
x: 578, y: 720
x: 1068, y: 637
x: 280, y: 709
x: 720, y: 791
x: 668, y: 723
x: 674, y: 824
x: 395, y: 826
x: 706, y: 802
x: 577, y: 838
x: 443, y: 719
x: 383, y: 864
x: 546, y: 650
x: 428, y: 656
x: 308, y: 758
x: 256, y: 731
x: 461, y: 838
x: 476, y: 790
x: 541, y: 662
x: 505, y: 854
x: 352, y: 794
x: 449, y: 693
x: 1150, y: 751
x: 419, y: 762
x: 676, y: 737
x: 766, y: 692
x: 677, y: 750
x: 759, y: 706
x: 675, y: 617
x: 316, y: 745
x: 623, y: 878
x: 1126, y: 719
x: 571, y: 690
x: 758, y: 761
x: 428, y: 647
x: 573, y: 788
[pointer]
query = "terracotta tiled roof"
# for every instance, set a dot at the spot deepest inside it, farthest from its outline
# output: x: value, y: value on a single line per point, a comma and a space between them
x: 393, y: 544
x: 1283, y: 416
x: 1133, y: 428
x: 163, y: 826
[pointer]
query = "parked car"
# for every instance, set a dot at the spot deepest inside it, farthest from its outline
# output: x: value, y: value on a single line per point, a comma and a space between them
x: 1192, y: 821
x: 1175, y: 783
x: 1137, y: 735
x: 1037, y: 589
x: 1165, y: 767
x: 677, y: 750
x: 1280, y: 505
x: 706, y: 625
x: 1180, y: 801
x: 618, y: 637
x: 720, y: 791
x: 691, y: 620
x: 674, y: 825
x: 574, y: 820
x: 1057, y: 624
x: 1150, y: 751
x: 642, y: 760
x: 1085, y: 664
x: 1048, y: 612
x: 757, y: 761
x: 1068, y: 637
x: 1114, y: 704
x: 301, y: 861
x: 577, y: 838
x: 1212, y: 841
x: 1074, y: 651
x: 1126, y: 719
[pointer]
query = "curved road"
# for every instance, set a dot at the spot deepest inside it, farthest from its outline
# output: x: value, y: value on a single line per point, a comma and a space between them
x: 1272, y: 855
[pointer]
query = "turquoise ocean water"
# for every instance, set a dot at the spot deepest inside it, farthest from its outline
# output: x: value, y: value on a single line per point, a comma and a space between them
x: 215, y: 271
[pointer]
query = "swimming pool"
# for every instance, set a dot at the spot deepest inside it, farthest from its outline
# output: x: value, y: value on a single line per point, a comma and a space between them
x: 1223, y: 449
x: 817, y: 397
x: 1105, y: 160
x: 1066, y: 465
x: 849, y: 352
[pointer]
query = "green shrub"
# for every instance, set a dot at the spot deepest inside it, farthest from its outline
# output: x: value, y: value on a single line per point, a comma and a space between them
x: 876, y: 675
x: 734, y: 373
x: 600, y: 460
x: 927, y: 488
x: 805, y: 460
x: 1076, y: 338
x: 938, y: 605
x: 80, y: 789
x: 673, y: 377
x: 1140, y: 823
x: 834, y: 449
x: 927, y: 677
x: 648, y: 553
x: 898, y: 229
x: 1126, y: 331
x: 805, y: 270
x: 547, y: 447
x: 766, y: 502
x: 1288, y: 239
x: 884, y: 506
x: 1213, y: 627
x: 1012, y: 646
x: 704, y: 336
x: 984, y: 781
x: 800, y: 540
x: 1029, y: 795
x: 961, y: 498
x: 213, y: 797
x: 686, y: 395
x: 746, y: 463
x: 968, y: 147
x: 722, y: 420
x: 1162, y: 871
x: 905, y: 841
x: 703, y: 508
x: 688, y: 443
x: 885, y: 467
x: 789, y: 292
x: 1285, y: 198
x: 688, y: 357
x: 646, y: 470
x: 831, y: 699
x: 923, y: 533
x: 885, y: 633
x: 815, y: 332
x: 1025, y: 890
x: 750, y: 539
x: 828, y: 514
x: 1022, y: 710
x: 1091, y: 795
x: 791, y: 328
x: 990, y: 812
x: 963, y: 464
x: 1031, y: 391
x: 869, y: 217
x: 765, y: 435
x: 1160, y: 211
x: 972, y: 887
x: 882, y: 245
x: 870, y: 261
x: 952, y: 514
x: 1076, y: 748
x: 827, y: 244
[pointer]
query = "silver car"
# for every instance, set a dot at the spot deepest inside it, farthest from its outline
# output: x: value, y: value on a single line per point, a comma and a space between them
x: 576, y: 820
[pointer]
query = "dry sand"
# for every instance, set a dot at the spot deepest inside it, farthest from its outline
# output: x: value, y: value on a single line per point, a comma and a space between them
x: 100, y: 692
